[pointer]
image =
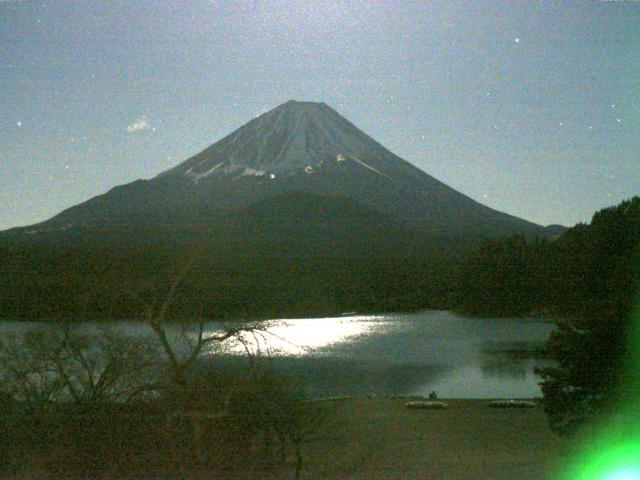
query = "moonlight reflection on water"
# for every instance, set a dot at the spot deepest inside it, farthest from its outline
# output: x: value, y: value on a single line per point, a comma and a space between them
x: 406, y: 354
x: 386, y: 354
x: 308, y: 335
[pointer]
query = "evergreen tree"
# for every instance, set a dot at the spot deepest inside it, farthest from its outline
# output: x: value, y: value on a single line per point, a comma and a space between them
x: 590, y: 346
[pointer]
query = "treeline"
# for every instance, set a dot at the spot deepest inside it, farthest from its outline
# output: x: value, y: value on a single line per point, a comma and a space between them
x: 96, y: 280
x: 588, y: 267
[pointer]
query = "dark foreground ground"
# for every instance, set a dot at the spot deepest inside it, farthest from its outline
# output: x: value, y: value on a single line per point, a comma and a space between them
x: 374, y: 438
x: 382, y: 439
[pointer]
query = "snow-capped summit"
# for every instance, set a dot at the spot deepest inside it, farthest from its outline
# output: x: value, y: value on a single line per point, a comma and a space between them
x: 292, y: 138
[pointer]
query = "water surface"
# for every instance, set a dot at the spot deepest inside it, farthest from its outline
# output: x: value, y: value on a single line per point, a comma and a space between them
x: 388, y: 354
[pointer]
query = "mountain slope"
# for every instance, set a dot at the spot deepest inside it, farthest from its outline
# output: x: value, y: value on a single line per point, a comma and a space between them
x: 296, y: 147
x: 311, y: 225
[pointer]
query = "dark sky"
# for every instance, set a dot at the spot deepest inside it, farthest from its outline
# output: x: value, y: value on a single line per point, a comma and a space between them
x: 530, y: 108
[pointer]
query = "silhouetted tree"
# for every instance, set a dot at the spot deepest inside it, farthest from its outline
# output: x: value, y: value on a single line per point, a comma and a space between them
x: 591, y: 345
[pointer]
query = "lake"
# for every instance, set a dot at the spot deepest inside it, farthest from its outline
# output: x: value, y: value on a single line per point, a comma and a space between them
x: 391, y: 354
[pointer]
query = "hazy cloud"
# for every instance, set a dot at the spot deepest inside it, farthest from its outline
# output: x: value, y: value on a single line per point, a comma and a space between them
x: 140, y: 124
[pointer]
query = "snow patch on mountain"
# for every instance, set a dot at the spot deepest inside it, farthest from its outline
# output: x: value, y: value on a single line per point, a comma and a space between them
x: 366, y: 165
x: 250, y: 172
x: 195, y: 176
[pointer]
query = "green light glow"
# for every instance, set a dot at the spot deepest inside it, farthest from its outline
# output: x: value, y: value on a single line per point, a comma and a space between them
x: 612, y: 450
x: 626, y: 474
x: 617, y: 462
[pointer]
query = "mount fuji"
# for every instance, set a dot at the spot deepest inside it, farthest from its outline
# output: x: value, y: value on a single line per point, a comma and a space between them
x: 302, y: 162
x: 296, y: 213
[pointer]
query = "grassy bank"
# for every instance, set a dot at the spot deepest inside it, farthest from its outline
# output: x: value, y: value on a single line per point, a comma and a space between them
x: 374, y: 438
x: 382, y: 439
